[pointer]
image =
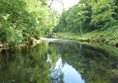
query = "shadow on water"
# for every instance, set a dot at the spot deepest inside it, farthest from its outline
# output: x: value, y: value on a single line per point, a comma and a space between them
x: 59, y: 62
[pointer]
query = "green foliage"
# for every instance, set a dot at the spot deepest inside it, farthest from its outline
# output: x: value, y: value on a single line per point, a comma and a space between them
x: 23, y: 20
x: 116, y: 10
x: 11, y: 36
x: 76, y: 18
x: 62, y: 24
x: 11, y: 21
x: 88, y: 15
x: 102, y: 11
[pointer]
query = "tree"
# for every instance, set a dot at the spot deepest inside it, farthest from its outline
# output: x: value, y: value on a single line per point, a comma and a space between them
x: 89, y: 15
x: 12, y: 21
x: 24, y: 20
x: 76, y: 18
x: 102, y: 11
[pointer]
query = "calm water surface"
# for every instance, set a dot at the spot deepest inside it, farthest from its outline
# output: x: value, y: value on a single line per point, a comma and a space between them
x: 59, y: 62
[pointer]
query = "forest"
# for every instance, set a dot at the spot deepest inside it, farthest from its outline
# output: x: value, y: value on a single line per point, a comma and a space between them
x: 40, y: 45
x: 23, y: 21
x: 90, y: 21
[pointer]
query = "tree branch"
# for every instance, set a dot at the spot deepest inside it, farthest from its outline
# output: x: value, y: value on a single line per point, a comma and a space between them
x: 51, y: 3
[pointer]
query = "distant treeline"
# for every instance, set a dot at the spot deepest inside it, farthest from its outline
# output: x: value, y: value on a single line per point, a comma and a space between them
x: 89, y: 15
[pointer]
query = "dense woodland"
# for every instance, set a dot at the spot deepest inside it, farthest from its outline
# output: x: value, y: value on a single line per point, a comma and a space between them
x: 22, y: 21
x: 91, y: 20
x: 89, y: 15
x: 92, y: 24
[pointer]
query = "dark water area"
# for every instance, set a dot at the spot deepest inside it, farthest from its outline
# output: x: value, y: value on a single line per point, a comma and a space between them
x: 59, y: 62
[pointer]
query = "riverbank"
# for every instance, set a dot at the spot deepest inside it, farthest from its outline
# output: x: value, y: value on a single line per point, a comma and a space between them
x: 108, y: 37
x: 31, y: 43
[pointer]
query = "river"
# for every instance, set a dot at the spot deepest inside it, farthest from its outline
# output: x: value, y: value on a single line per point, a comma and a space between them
x: 59, y: 61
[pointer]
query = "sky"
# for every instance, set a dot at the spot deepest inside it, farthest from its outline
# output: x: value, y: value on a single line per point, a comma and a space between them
x: 67, y: 4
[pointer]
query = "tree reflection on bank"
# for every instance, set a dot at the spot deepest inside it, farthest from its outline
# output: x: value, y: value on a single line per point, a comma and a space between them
x: 40, y: 64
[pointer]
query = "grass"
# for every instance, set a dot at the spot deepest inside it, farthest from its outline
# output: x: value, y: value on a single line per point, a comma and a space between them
x: 108, y: 36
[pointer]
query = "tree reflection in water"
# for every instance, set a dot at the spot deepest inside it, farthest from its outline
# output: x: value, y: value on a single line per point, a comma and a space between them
x: 95, y: 65
x: 59, y: 63
x: 56, y: 74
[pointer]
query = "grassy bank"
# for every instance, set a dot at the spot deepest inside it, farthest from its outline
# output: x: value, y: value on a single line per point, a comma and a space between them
x: 107, y: 36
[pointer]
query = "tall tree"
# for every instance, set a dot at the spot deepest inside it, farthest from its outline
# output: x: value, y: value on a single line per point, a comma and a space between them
x: 102, y: 11
x: 24, y: 20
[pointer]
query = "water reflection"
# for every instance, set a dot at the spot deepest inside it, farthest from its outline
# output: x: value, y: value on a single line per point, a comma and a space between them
x: 56, y: 74
x: 25, y: 65
x: 59, y: 63
x: 71, y: 75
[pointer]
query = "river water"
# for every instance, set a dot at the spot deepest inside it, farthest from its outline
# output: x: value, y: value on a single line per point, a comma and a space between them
x: 58, y: 61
